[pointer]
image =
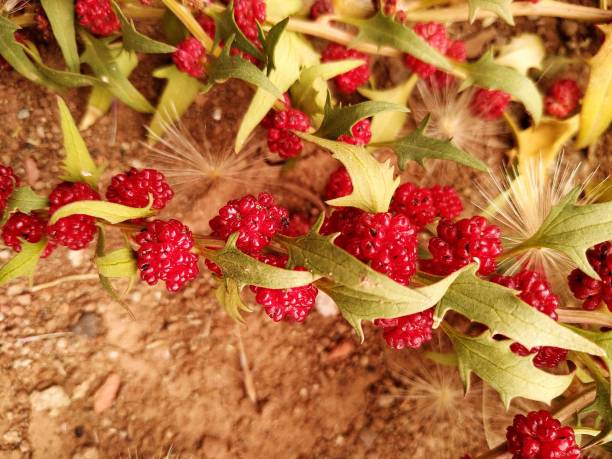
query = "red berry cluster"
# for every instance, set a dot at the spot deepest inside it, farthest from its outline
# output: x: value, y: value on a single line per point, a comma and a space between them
x: 248, y: 13
x: 189, y: 57
x: 321, y: 7
x: 435, y: 35
x: 134, y: 187
x: 411, y: 331
x: 535, y: 291
x: 562, y: 98
x: 347, y: 82
x: 339, y: 184
x: 489, y: 104
x: 280, y: 138
x: 540, y: 436
x: 460, y: 243
x: 165, y: 254
x: 593, y: 292
x: 29, y: 227
x: 423, y: 205
x: 97, y: 16
x: 8, y: 182
x: 361, y: 133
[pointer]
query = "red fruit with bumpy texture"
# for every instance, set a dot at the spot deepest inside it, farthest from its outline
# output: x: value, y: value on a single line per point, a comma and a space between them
x: 540, y: 436
x: 256, y: 220
x: 321, y: 7
x: 339, y: 184
x: 411, y: 331
x: 290, y: 303
x: 460, y: 243
x: 27, y: 227
x: 298, y: 225
x: 489, y: 104
x: 165, y: 254
x: 347, y: 82
x: 280, y: 138
x: 207, y: 23
x: 435, y: 35
x: 97, y: 16
x: 247, y: 14
x: 594, y: 291
x: 188, y: 57
x: 415, y: 203
x: 456, y: 50
x: 546, y: 356
x: 75, y: 231
x: 361, y: 133
x: 8, y: 182
x: 133, y: 188
x: 343, y: 221
x: 562, y: 98
x: 447, y: 201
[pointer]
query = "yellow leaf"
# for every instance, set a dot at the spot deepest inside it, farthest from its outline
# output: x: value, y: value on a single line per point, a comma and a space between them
x: 596, y: 113
x: 524, y: 52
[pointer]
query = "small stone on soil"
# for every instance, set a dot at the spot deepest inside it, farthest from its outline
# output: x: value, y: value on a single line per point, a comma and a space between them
x: 52, y: 398
x: 106, y: 394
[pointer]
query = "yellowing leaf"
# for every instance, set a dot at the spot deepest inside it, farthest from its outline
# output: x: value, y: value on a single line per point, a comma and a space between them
x: 117, y: 264
x: 108, y: 211
x: 228, y: 295
x: 25, y: 200
x: 373, y: 182
x: 280, y: 9
x: 596, y: 113
x: 189, y: 21
x: 61, y: 18
x: 24, y: 263
x: 499, y: 7
x: 524, y: 52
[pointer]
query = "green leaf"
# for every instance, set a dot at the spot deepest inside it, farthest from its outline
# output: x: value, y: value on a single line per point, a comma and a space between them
x: 373, y: 182
x: 500, y: 309
x: 509, y: 374
x: 225, y: 67
x: 270, y: 41
x: 385, y: 31
x: 184, y: 15
x: 108, y: 211
x: 416, y: 146
x: 61, y: 77
x: 61, y: 17
x: 178, y: 95
x: 499, y: 7
x: 228, y: 295
x: 602, y: 406
x: 386, y: 126
x: 247, y: 270
x: 226, y: 27
x: 134, y: 40
x: 25, y: 200
x: 24, y: 263
x: 571, y: 229
x: 78, y: 165
x: 486, y: 73
x: 99, y: 56
x: 340, y: 120
x: 360, y: 292
x: 291, y: 53
x: 118, y: 263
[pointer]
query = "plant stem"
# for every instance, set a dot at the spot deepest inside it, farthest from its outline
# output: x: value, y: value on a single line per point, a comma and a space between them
x: 579, y: 316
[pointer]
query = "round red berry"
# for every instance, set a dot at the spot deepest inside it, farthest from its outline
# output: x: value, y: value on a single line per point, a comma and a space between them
x: 189, y: 57
x: 97, y: 16
x: 133, y: 188
x: 415, y: 203
x: 593, y: 292
x: 562, y: 98
x: 8, y: 182
x: 280, y: 138
x: 321, y: 7
x: 411, y: 331
x: 540, y: 436
x: 207, y: 23
x: 435, y: 35
x: 361, y: 133
x: 248, y: 13
x: 460, y: 243
x: 489, y: 104
x: 165, y: 254
x: 75, y: 231
x: 256, y: 220
x: 339, y: 184
x: 347, y: 82
x: 28, y: 227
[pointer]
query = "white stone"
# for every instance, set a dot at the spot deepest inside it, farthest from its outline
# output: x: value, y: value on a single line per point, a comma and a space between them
x: 52, y: 398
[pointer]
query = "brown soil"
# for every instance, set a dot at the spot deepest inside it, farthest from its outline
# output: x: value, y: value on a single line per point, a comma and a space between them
x: 81, y: 379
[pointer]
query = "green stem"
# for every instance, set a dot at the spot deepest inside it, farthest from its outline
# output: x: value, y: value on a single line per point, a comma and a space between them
x: 592, y: 366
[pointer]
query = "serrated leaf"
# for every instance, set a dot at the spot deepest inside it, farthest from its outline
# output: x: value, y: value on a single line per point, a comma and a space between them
x: 225, y: 67
x: 572, y: 229
x: 118, y: 263
x: 109, y: 211
x: 134, y: 40
x: 596, y: 112
x: 24, y: 263
x: 384, y: 30
x: 228, y: 295
x: 309, y: 93
x: 523, y: 52
x: 270, y: 41
x: 25, y: 200
x: 339, y: 120
x: 63, y: 78
x: 61, y: 18
x: 360, y: 292
x: 226, y: 28
x: 386, y: 126
x: 178, y: 95
x: 509, y: 374
x: 500, y: 309
x: 78, y: 164
x: 291, y: 53
x: 100, y: 58
x: 280, y: 9
x: 184, y: 15
x: 416, y: 146
x: 500, y: 7
x: 373, y: 181
x: 486, y: 73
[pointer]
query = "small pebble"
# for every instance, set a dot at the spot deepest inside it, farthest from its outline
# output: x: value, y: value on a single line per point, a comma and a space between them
x: 106, y: 393
x: 23, y: 114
